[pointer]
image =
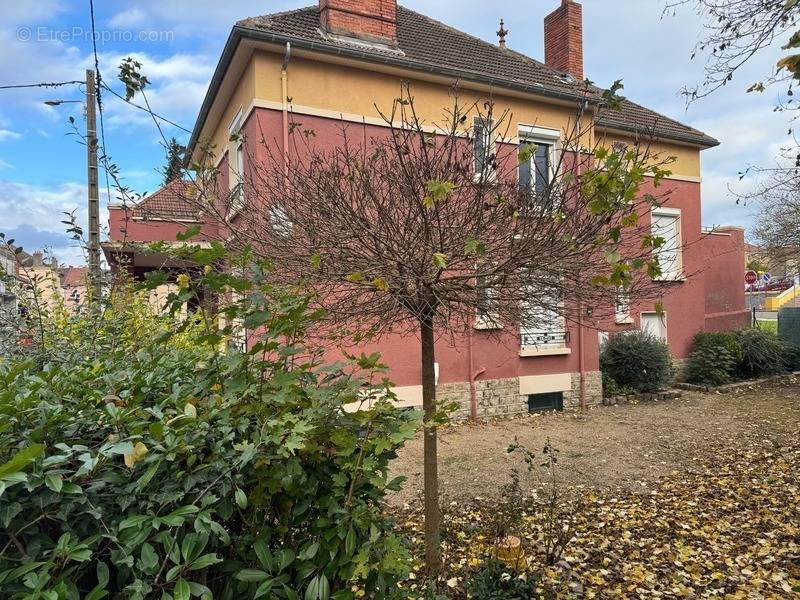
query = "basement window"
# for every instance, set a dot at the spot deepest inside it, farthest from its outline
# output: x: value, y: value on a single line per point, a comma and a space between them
x: 546, y: 402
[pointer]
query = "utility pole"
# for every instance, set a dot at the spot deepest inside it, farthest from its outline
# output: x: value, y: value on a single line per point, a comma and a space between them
x: 95, y: 274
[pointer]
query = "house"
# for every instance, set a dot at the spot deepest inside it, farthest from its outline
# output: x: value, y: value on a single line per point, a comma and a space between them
x: 341, y: 61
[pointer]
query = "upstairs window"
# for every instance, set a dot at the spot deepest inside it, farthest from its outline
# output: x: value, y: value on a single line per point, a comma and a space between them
x: 536, y: 170
x: 666, y: 225
x: 483, y: 148
x: 537, y: 159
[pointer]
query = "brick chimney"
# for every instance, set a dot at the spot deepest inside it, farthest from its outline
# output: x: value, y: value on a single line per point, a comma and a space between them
x: 563, y: 39
x: 370, y: 20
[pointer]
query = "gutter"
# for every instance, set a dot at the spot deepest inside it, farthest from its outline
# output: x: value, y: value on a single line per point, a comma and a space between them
x: 238, y: 33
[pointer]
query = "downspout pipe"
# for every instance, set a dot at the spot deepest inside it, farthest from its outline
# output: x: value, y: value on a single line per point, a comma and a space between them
x: 473, y: 374
x: 285, y: 102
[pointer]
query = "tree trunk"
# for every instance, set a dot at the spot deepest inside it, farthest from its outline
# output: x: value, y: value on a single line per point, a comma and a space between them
x: 433, y: 516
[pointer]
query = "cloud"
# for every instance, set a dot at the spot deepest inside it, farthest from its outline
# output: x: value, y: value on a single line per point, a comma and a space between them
x: 132, y: 17
x: 32, y: 215
x: 5, y: 165
x: 41, y: 207
x: 7, y: 134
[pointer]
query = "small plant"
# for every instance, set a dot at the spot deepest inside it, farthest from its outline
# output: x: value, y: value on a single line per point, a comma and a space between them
x: 763, y: 353
x: 551, y: 508
x: 714, y: 358
x: 497, y: 581
x: 637, y: 360
x: 611, y: 388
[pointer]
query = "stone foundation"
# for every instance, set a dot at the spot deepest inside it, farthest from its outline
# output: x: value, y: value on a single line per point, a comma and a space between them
x: 499, y: 398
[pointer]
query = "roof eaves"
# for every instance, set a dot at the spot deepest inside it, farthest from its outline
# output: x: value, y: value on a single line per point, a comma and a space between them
x: 239, y: 31
x: 701, y: 139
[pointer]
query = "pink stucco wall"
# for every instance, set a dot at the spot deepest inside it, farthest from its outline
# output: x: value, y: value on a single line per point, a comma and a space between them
x: 724, y: 254
x: 710, y: 268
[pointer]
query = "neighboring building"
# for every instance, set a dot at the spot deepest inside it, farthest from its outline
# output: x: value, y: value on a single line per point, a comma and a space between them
x: 335, y: 63
x: 41, y: 274
x: 9, y: 304
x: 158, y: 217
x: 74, y: 286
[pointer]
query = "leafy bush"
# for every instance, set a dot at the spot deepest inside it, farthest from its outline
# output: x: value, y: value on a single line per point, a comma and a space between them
x: 637, y: 360
x: 714, y: 359
x: 497, y: 581
x: 138, y: 461
x: 763, y: 353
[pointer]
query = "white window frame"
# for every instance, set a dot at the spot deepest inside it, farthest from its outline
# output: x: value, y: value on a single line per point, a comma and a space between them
x: 676, y: 271
x: 489, y: 320
x: 530, y: 134
x: 490, y: 143
x: 622, y: 308
x: 235, y: 167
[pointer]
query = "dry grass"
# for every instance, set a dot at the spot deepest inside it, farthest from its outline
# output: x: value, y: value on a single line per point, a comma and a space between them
x: 627, y: 446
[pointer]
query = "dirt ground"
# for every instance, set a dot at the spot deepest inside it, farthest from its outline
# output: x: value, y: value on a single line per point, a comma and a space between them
x: 625, y: 446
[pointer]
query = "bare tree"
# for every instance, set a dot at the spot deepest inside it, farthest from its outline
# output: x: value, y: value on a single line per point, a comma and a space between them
x: 738, y: 30
x: 777, y: 229
x: 429, y: 227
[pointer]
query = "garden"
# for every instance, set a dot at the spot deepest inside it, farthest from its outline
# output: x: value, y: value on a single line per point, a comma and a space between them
x: 141, y: 458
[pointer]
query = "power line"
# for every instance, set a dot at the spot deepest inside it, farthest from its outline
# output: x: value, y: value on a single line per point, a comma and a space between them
x: 41, y: 85
x: 147, y: 110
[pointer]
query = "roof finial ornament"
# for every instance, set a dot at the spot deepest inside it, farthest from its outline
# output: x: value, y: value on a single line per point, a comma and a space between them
x: 502, y: 33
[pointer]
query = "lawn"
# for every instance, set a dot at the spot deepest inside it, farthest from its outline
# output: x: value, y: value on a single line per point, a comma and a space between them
x: 768, y: 325
x: 696, y: 497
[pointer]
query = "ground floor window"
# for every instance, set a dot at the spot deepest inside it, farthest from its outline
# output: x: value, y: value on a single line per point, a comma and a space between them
x: 545, y: 402
x: 655, y: 324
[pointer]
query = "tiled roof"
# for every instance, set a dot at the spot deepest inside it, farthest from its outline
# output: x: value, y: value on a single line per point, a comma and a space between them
x: 428, y: 45
x: 170, y: 203
x: 74, y: 276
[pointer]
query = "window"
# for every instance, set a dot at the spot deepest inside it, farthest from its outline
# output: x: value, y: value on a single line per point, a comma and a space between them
x: 536, y: 166
x: 483, y: 148
x: 236, y: 167
x: 666, y: 224
x: 487, y: 316
x: 655, y: 324
x: 537, y: 161
x: 281, y: 224
x: 542, y: 326
x: 622, y: 307
x: 545, y: 402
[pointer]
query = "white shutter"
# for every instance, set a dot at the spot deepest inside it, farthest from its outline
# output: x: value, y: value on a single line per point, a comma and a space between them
x: 666, y: 225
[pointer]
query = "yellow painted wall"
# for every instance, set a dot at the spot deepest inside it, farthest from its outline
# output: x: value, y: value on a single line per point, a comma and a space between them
x: 687, y: 159
x: 344, y: 89
x: 242, y: 97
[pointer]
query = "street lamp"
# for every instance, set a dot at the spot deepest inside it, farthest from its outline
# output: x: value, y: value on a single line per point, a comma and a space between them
x: 60, y: 102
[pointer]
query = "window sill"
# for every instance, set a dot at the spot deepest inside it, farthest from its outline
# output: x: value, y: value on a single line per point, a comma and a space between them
x: 533, y: 351
x: 676, y: 279
x: 625, y: 321
x: 487, y: 326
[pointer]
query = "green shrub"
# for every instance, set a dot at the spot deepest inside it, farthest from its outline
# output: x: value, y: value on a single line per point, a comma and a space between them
x: 637, y: 360
x: 763, y: 353
x: 497, y: 581
x: 134, y: 467
x: 714, y: 359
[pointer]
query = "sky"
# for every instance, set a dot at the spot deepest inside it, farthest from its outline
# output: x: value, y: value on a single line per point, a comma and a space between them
x: 178, y: 42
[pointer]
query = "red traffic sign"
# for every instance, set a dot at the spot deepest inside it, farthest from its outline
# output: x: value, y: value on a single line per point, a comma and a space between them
x: 750, y: 277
